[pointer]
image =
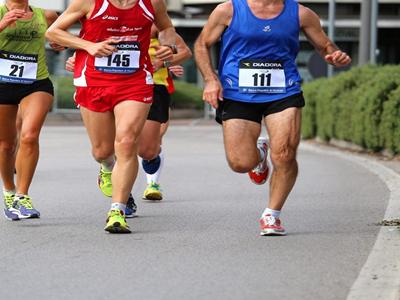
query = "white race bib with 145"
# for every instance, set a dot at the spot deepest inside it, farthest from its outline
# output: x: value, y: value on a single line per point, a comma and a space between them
x: 261, y: 76
x: 124, y: 61
x: 18, y: 68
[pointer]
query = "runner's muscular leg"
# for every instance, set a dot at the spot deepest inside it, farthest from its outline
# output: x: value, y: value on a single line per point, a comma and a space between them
x: 130, y: 117
x: 32, y: 113
x: 240, y: 140
x: 8, y: 140
x: 284, y: 136
x: 150, y: 140
x: 100, y: 127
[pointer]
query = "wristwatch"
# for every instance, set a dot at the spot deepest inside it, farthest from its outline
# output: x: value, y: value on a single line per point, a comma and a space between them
x: 173, y: 48
x: 166, y: 63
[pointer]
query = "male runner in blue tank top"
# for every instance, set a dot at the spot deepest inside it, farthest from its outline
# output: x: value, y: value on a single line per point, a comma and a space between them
x: 258, y: 79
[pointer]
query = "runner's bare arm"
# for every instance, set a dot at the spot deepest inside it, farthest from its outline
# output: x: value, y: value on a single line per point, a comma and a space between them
x: 166, y: 35
x: 184, y: 53
x: 58, y: 33
x: 219, y: 19
x: 51, y: 17
x: 311, y: 26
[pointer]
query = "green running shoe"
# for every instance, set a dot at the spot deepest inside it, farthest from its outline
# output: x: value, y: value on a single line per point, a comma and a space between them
x: 116, y: 222
x: 104, y: 182
x: 152, y: 192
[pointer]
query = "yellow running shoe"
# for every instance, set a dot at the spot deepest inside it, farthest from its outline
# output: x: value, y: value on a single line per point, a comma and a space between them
x: 104, y: 182
x: 116, y: 222
x: 152, y: 192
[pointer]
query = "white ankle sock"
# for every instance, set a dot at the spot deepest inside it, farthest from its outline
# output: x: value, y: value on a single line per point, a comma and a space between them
x: 108, y: 163
x: 118, y: 206
x: 12, y: 192
x: 274, y: 213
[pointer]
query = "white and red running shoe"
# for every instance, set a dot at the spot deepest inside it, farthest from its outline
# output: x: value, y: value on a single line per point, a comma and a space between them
x: 271, y: 226
x: 260, y: 173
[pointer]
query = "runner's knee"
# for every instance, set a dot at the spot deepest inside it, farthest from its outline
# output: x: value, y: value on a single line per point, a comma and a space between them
x: 102, y: 152
x: 7, y: 147
x: 241, y: 164
x: 126, y: 145
x: 29, y: 138
x: 149, y: 151
x: 283, y: 156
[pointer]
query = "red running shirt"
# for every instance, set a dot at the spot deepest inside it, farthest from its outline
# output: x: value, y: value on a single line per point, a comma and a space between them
x: 131, y: 64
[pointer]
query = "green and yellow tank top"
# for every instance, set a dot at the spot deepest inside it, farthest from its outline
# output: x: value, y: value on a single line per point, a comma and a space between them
x: 161, y: 75
x: 22, y: 49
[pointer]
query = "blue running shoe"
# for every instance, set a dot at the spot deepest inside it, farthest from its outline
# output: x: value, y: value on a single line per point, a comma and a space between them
x: 131, y: 208
x: 24, y: 206
x: 151, y: 166
x: 9, y: 211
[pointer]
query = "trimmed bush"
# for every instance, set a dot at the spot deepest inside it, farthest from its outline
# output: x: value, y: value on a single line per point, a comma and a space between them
x: 64, y: 90
x: 187, y: 95
x: 359, y: 106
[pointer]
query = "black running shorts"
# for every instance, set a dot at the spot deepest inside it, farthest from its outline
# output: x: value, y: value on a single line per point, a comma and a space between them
x: 159, y: 110
x: 231, y: 109
x: 13, y: 93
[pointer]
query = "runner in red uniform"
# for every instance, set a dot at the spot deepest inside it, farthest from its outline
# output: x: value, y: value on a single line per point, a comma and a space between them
x: 114, y: 84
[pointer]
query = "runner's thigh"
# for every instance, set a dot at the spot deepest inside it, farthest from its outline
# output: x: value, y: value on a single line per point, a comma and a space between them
x: 100, y: 127
x: 240, y: 138
x: 130, y: 117
x: 284, y: 130
x: 33, y: 110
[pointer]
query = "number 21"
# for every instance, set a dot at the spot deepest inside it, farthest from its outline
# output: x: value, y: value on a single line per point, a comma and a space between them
x: 14, y: 70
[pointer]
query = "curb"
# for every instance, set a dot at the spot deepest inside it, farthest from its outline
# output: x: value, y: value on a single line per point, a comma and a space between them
x: 379, y: 278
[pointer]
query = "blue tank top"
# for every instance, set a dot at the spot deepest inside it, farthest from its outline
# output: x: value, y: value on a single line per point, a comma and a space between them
x: 257, y: 59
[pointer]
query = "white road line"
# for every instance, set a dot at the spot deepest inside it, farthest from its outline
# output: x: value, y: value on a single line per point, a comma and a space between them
x: 379, y: 278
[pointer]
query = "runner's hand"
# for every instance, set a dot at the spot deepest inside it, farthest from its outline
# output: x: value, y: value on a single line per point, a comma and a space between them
x: 102, y: 49
x: 212, y: 92
x: 163, y: 52
x: 70, y: 64
x: 10, y: 17
x: 338, y: 59
x: 157, y: 64
x: 177, y: 70
x: 56, y: 47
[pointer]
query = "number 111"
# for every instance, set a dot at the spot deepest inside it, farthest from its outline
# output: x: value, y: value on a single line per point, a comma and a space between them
x: 263, y: 77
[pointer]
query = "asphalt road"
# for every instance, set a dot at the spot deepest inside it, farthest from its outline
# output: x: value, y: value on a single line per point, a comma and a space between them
x: 202, y: 241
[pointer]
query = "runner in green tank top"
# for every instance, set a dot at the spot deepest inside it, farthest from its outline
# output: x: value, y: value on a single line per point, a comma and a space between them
x: 26, y: 95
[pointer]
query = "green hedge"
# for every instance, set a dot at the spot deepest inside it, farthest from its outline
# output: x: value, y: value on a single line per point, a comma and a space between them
x: 361, y: 106
x: 186, y: 95
x: 65, y: 90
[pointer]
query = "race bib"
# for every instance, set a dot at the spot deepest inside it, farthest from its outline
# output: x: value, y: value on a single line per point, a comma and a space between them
x: 125, y: 61
x: 18, y: 68
x: 260, y: 76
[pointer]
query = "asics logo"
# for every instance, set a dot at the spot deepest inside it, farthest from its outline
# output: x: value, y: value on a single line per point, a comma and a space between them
x: 107, y: 17
x: 267, y: 28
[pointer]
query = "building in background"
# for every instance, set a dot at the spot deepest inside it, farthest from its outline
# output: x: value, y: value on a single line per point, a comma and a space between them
x: 189, y: 16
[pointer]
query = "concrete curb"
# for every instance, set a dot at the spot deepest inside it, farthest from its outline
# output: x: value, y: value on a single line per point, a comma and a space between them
x: 380, y: 276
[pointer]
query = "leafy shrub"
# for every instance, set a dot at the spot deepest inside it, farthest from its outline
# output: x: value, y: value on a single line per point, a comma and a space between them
x: 187, y: 95
x: 359, y: 106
